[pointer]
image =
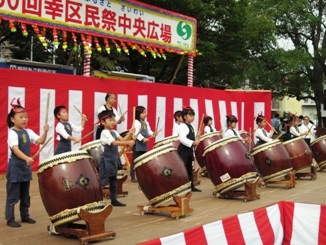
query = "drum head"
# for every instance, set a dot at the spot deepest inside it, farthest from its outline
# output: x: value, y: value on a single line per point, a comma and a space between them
x: 265, y: 146
x: 67, y: 157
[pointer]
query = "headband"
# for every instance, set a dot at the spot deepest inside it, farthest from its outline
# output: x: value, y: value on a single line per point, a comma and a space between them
x: 14, y: 106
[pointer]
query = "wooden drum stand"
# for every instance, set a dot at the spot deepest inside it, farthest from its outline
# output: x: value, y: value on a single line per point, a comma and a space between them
x: 248, y: 194
x: 181, y: 208
x: 93, y: 230
x: 312, y: 174
x: 289, y: 181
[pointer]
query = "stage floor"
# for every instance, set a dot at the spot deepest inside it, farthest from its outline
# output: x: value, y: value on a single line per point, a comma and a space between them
x: 133, y: 228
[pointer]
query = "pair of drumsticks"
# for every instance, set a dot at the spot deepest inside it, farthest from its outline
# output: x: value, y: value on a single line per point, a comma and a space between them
x: 46, y: 122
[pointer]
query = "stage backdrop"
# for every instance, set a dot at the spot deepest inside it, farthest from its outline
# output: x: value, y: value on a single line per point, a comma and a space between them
x: 87, y: 94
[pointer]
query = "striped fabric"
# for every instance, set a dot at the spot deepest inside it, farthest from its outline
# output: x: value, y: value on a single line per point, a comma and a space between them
x: 87, y: 94
x: 281, y: 223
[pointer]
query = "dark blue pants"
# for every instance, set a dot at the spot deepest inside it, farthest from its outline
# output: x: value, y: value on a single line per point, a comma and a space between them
x: 18, y: 191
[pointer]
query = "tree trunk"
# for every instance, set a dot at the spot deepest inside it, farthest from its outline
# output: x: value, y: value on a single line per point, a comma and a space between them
x: 318, y: 89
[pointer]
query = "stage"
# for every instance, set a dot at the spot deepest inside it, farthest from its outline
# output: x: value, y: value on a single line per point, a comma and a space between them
x: 133, y: 228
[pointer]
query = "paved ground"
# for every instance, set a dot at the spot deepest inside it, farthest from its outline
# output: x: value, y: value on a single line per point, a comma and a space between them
x: 133, y: 228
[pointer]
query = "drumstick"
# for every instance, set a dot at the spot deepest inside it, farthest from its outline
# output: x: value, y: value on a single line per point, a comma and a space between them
x: 158, y: 122
x: 249, y: 143
x: 201, y: 125
x: 47, y: 109
x: 80, y: 113
x: 42, y: 147
x: 308, y: 131
x: 120, y: 109
x: 86, y: 135
x: 271, y: 126
x: 279, y: 136
x: 157, y: 133
x: 122, y: 115
x: 133, y: 117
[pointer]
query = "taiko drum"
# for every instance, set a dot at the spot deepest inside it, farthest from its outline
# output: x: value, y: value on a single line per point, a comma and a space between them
x: 67, y: 182
x: 229, y: 164
x: 173, y: 140
x: 205, y: 140
x: 318, y: 147
x: 272, y: 160
x: 299, y: 152
x: 94, y: 149
x: 161, y: 174
x: 244, y: 134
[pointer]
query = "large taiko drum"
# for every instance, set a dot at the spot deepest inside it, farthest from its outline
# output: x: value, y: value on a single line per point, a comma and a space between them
x: 161, y: 174
x: 174, y: 140
x: 205, y: 140
x: 244, y: 134
x: 94, y: 149
x: 229, y: 164
x: 318, y: 147
x: 68, y: 182
x: 272, y: 160
x: 300, y: 153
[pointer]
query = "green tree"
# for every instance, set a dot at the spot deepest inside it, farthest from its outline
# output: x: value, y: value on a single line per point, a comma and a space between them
x: 300, y: 71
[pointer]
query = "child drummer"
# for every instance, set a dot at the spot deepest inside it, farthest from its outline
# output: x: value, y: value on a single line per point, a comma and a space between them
x: 64, y: 130
x: 110, y: 140
x: 260, y: 133
x: 177, y: 121
x: 187, y: 137
x: 294, y: 129
x: 143, y: 135
x: 209, y: 127
x: 19, y: 172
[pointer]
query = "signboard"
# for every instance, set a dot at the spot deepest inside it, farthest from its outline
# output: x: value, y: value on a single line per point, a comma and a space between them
x: 36, y: 66
x: 129, y: 21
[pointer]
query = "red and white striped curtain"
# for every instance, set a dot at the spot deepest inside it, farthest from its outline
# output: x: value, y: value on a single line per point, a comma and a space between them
x: 87, y: 94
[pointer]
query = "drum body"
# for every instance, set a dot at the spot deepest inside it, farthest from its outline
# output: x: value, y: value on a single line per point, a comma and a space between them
x: 318, y: 147
x: 174, y: 140
x: 94, y: 149
x: 161, y: 174
x: 244, y: 134
x: 205, y: 140
x: 299, y: 152
x: 229, y: 164
x: 67, y: 182
x: 272, y: 160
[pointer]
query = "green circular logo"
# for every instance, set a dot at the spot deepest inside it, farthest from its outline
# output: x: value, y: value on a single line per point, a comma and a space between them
x: 184, y: 30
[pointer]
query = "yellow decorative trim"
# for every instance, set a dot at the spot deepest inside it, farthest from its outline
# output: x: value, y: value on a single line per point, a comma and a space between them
x: 210, y: 135
x: 278, y: 175
x: 236, y: 182
x: 145, y: 158
x: 317, y: 140
x: 265, y: 146
x: 62, y: 158
x: 90, y: 145
x: 71, y: 215
x: 166, y: 197
x: 165, y: 141
x: 219, y: 143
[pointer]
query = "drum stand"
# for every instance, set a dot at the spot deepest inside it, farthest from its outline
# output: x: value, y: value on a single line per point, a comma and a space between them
x: 289, y: 182
x: 312, y: 174
x: 93, y: 230
x: 181, y: 208
x: 248, y: 194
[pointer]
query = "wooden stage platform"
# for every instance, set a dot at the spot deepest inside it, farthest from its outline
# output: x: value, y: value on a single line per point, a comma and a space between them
x: 131, y: 227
